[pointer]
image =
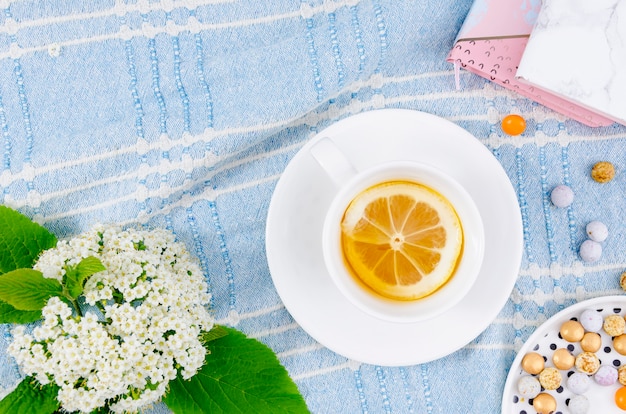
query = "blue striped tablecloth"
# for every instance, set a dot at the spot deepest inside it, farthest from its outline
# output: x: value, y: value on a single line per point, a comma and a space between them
x: 184, y: 114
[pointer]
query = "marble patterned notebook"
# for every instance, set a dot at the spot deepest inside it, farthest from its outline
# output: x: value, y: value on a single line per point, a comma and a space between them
x: 577, y: 50
x: 491, y: 43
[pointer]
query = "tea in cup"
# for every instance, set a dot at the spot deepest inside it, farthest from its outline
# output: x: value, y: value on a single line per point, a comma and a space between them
x: 402, y: 240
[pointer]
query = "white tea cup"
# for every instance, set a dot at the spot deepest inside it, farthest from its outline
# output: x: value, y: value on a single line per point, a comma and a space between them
x: 350, y: 183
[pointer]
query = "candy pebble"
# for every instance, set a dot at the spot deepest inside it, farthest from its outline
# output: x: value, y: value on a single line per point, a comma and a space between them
x: 513, y: 124
x: 614, y: 325
x: 587, y: 362
x: 578, y: 383
x: 533, y: 363
x: 528, y: 386
x: 590, y: 251
x: 591, y: 342
x: 562, y: 196
x: 572, y: 331
x: 563, y: 359
x: 578, y: 405
x: 621, y: 375
x: 597, y: 231
x: 550, y: 378
x: 606, y: 375
x: 602, y: 172
x: 544, y: 403
x: 591, y: 320
x: 620, y: 398
x: 619, y: 344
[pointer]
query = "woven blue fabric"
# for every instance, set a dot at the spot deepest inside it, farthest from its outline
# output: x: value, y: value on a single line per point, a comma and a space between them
x: 183, y: 115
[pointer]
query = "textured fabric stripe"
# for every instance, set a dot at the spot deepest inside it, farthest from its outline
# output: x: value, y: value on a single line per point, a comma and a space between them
x: 407, y: 390
x: 315, y: 67
x: 358, y: 36
x: 570, y: 210
x: 179, y: 85
x: 321, y: 371
x: 198, y: 247
x: 341, y: 75
x: 202, y: 79
x: 156, y: 85
x: 6, y: 141
x: 382, y: 383
x: 132, y: 71
x: 358, y: 380
x: 119, y: 8
x: 27, y: 169
x: 382, y: 34
x: 545, y: 198
x: 426, y: 387
x: 224, y: 253
x: 521, y: 194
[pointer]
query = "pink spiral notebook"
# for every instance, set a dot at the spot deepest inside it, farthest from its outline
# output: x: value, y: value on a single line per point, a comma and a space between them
x: 491, y: 43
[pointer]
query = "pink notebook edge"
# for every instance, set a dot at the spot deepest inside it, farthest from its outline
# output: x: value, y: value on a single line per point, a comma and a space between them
x: 559, y: 104
x: 598, y: 115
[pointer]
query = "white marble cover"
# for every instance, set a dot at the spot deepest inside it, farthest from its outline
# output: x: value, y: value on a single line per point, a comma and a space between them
x: 577, y: 49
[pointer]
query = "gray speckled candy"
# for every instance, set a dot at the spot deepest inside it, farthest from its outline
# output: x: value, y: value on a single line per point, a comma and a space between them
x: 578, y: 405
x: 597, y: 231
x: 590, y: 251
x: 591, y: 320
x: 562, y: 196
x: 528, y: 386
x: 578, y: 383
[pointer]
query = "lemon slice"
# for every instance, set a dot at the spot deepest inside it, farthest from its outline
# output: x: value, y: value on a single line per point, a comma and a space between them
x: 401, y: 239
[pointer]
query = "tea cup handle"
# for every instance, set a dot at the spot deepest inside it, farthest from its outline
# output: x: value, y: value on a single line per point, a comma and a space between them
x: 333, y: 161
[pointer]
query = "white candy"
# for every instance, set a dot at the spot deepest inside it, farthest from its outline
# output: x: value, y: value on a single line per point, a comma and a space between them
x: 591, y: 320
x: 590, y: 251
x: 606, y: 375
x: 562, y: 196
x: 528, y: 386
x: 578, y: 405
x: 578, y: 383
x: 597, y: 231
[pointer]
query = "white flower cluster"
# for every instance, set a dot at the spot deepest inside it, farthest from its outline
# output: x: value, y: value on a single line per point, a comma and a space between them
x: 139, y: 328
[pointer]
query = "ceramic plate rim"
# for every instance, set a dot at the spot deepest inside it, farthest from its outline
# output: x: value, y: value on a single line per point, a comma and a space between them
x: 540, y: 331
x: 364, y: 336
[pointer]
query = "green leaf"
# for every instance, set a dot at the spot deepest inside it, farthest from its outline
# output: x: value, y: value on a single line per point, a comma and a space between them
x: 27, y: 289
x: 76, y: 276
x: 21, y: 240
x: 241, y: 375
x: 31, y: 397
x: 88, y: 266
x: 216, y: 332
x: 8, y: 314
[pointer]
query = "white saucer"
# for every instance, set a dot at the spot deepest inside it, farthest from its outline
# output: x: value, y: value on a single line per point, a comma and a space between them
x: 294, y: 233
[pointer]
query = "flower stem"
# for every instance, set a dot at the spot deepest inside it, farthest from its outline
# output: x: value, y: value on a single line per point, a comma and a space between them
x: 72, y: 301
